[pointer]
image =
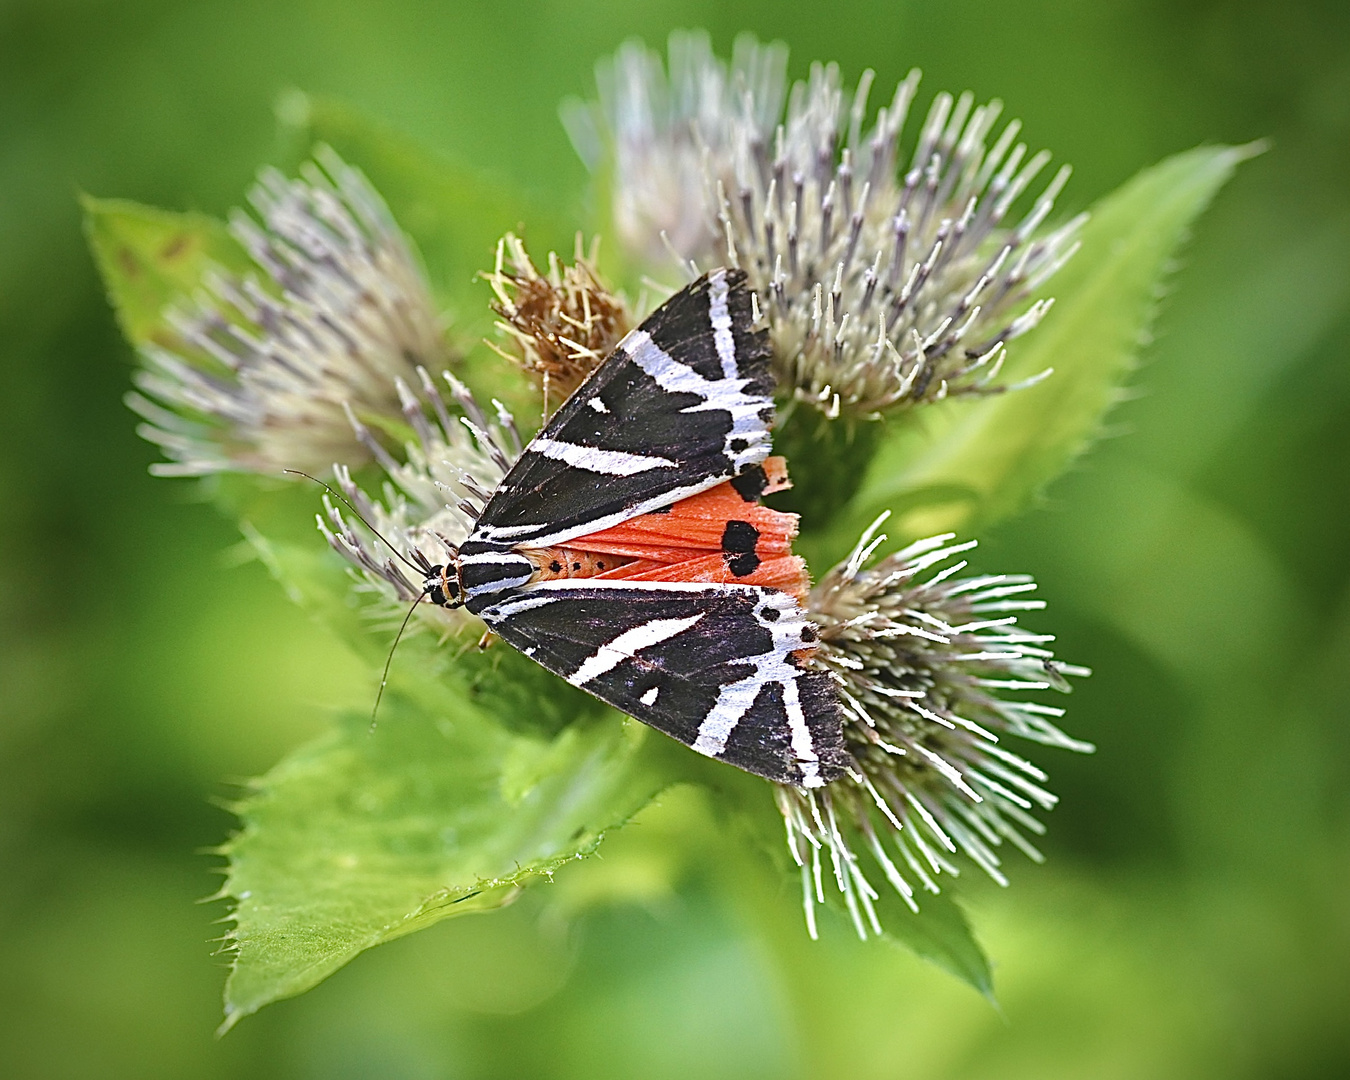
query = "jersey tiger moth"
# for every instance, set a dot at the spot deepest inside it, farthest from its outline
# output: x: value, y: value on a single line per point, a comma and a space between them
x: 626, y: 550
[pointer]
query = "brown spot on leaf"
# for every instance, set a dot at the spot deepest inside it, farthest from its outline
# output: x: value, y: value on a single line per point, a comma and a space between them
x: 175, y: 247
x: 126, y: 259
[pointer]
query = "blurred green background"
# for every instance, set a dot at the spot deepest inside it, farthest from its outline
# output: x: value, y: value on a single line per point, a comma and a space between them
x: 1193, y: 918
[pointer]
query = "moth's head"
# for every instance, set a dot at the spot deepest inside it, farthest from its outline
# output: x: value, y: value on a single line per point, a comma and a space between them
x: 442, y: 586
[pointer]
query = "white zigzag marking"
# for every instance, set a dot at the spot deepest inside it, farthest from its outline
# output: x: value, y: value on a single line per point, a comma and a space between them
x: 498, y: 612
x: 721, y: 323
x: 771, y: 667
x: 736, y: 698
x: 727, y: 395
x: 524, y: 571
x: 629, y: 644
x: 593, y: 459
x: 491, y: 558
x: 540, y: 536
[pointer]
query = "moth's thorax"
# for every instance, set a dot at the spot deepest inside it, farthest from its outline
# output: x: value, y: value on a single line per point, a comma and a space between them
x: 485, y: 570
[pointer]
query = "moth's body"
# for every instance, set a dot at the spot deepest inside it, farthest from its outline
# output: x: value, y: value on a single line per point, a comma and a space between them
x: 550, y: 564
x: 627, y: 550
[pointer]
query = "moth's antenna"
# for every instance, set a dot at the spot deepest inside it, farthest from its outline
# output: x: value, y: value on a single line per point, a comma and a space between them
x: 385, y: 677
x: 361, y: 518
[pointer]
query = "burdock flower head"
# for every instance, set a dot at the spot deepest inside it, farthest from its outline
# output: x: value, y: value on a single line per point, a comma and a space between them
x: 887, y: 278
x: 270, y: 365
x: 925, y: 662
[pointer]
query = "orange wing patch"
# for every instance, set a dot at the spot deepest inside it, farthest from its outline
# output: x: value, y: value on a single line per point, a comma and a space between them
x: 721, y: 535
x: 786, y: 573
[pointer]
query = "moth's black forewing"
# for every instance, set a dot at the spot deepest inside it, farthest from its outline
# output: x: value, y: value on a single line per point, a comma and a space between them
x: 637, y: 408
x: 585, y: 633
x: 761, y: 734
x: 683, y: 331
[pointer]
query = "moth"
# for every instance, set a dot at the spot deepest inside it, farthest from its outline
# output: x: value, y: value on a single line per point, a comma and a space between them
x: 628, y: 552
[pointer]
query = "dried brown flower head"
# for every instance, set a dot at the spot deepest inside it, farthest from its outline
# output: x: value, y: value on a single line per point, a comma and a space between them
x: 559, y: 324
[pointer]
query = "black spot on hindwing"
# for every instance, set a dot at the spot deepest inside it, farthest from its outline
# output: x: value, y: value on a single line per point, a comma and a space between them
x: 751, y: 484
x: 738, y: 547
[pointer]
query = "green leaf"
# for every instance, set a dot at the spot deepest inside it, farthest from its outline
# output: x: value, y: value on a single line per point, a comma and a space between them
x: 152, y: 258
x: 746, y: 816
x: 366, y: 836
x: 316, y: 580
x: 483, y: 771
x: 939, y: 933
x: 963, y: 465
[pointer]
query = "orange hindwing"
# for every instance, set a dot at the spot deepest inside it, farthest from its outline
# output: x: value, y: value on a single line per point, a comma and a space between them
x: 721, y: 535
